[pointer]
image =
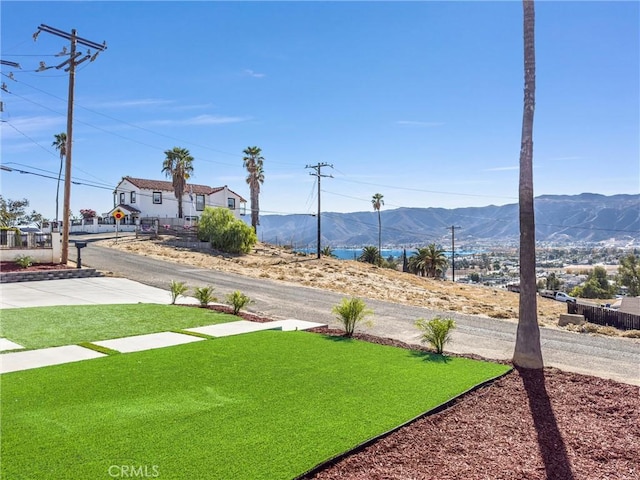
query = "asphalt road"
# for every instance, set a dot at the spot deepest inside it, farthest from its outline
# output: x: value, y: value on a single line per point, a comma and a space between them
x: 606, y: 357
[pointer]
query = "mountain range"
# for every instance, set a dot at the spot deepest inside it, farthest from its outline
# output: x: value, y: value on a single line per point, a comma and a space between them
x: 587, y: 217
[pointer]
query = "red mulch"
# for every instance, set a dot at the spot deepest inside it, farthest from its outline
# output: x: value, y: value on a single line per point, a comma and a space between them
x: 530, y: 424
x: 36, y: 267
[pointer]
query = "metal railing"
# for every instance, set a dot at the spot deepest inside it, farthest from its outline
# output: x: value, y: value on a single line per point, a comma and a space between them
x: 11, y: 239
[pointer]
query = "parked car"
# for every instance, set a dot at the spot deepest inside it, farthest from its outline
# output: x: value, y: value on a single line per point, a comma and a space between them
x: 556, y: 295
x: 29, y: 229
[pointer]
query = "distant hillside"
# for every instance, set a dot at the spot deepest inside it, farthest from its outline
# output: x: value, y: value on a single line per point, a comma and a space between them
x: 559, y: 218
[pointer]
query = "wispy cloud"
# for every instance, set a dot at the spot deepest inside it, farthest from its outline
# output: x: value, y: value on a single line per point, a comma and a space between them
x: 19, y: 127
x: 419, y: 124
x: 134, y: 103
x: 565, y: 159
x: 501, y: 169
x: 199, y: 120
x: 253, y: 74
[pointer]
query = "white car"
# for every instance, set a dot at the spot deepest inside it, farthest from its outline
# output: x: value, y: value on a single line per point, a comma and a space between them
x: 563, y: 297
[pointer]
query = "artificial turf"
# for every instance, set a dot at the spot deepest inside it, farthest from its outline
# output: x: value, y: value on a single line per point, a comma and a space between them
x: 41, y: 327
x: 265, y: 405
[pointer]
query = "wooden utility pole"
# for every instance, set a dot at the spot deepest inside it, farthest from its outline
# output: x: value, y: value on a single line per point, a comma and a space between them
x: 73, y: 62
x: 453, y: 252
x: 318, y: 174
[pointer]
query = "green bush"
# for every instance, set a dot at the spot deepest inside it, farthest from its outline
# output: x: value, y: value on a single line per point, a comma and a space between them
x: 436, y: 331
x: 177, y: 289
x: 204, y: 295
x: 238, y: 301
x: 370, y: 255
x: 351, y: 311
x: 225, y: 232
x: 24, y: 261
x: 327, y: 252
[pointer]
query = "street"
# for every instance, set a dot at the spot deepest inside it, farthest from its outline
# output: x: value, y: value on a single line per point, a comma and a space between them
x: 606, y: 357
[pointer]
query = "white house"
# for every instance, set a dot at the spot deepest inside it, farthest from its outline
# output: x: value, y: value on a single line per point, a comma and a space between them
x: 140, y: 198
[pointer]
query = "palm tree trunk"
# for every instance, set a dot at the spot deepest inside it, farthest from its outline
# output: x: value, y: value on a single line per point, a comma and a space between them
x: 254, y: 209
x: 379, y: 238
x: 527, y: 353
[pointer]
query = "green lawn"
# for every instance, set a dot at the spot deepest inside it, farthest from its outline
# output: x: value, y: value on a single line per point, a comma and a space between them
x: 265, y: 405
x: 42, y: 327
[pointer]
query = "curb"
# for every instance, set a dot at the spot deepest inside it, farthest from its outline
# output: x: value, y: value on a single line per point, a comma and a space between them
x: 13, y: 277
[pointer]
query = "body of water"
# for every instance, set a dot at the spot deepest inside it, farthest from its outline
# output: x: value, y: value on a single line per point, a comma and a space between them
x: 354, y: 253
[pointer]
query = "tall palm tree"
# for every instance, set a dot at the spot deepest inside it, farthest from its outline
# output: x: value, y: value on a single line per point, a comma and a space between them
x: 253, y: 162
x: 60, y: 144
x: 178, y: 164
x: 429, y: 261
x: 527, y: 352
x: 377, y: 202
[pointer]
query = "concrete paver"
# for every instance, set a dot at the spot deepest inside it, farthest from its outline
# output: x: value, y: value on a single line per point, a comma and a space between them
x: 138, y: 343
x: 293, y: 324
x: 234, y: 328
x: 16, y: 361
x: 244, y: 326
x: 6, y: 344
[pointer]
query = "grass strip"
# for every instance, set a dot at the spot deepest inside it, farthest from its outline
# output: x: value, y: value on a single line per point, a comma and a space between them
x: 263, y: 405
x: 99, y: 348
x: 43, y: 327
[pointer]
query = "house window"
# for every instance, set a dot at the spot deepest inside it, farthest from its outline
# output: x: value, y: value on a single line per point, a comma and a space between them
x: 231, y: 203
x: 133, y: 197
x: 199, y: 202
x: 157, y: 197
x: 121, y: 198
x: 243, y: 208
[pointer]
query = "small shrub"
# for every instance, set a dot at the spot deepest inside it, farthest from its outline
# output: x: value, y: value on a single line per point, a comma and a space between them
x: 608, y: 330
x: 204, y: 295
x: 238, y: 301
x: 351, y: 311
x: 24, y: 261
x: 436, y: 331
x: 631, y: 334
x: 590, y: 328
x: 177, y: 289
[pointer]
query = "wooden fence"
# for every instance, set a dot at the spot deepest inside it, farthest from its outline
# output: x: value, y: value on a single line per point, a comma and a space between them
x: 606, y: 316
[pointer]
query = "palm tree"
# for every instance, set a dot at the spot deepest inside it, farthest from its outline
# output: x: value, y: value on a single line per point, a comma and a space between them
x: 377, y: 202
x: 60, y: 144
x: 178, y: 164
x: 370, y: 255
x: 253, y: 162
x: 327, y: 251
x: 429, y: 261
x: 527, y: 352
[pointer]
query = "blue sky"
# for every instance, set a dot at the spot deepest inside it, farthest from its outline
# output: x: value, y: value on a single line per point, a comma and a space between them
x: 420, y: 101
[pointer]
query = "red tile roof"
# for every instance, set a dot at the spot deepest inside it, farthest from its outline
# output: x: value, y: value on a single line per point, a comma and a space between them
x: 166, y: 186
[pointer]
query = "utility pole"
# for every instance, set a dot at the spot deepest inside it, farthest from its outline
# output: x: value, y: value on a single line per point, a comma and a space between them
x: 453, y: 252
x: 72, y: 63
x: 318, y: 174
